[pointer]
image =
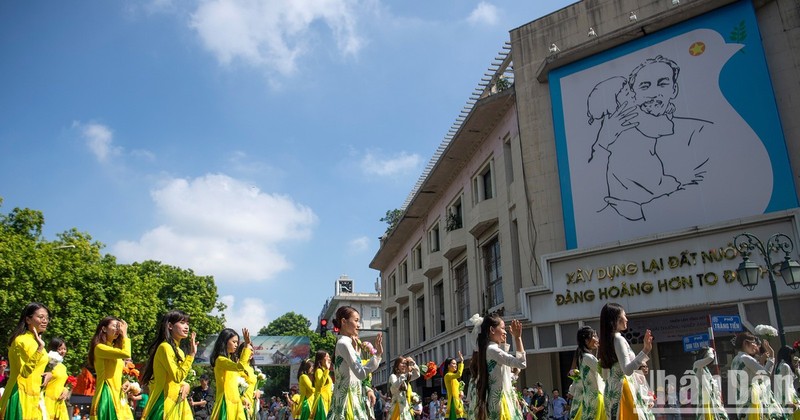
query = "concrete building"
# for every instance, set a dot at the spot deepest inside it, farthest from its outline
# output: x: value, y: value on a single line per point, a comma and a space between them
x: 637, y: 140
x: 367, y: 304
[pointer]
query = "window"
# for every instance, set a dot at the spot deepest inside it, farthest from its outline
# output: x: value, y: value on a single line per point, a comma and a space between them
x: 508, y: 159
x: 433, y: 238
x: 483, y: 184
x: 494, y: 273
x: 403, y: 272
x: 394, y: 333
x: 406, y: 328
x: 455, y: 216
x: 516, y: 259
x: 392, y: 284
x: 462, y: 292
x: 421, y: 319
x: 416, y: 257
x: 438, y: 307
x: 375, y: 312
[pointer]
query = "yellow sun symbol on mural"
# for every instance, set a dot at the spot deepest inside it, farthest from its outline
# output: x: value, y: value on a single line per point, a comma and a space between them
x: 697, y: 48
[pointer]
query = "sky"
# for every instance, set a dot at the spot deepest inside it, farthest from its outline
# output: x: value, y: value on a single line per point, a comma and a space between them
x: 257, y: 141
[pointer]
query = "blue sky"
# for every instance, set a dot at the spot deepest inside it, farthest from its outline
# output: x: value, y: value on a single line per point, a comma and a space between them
x: 256, y: 141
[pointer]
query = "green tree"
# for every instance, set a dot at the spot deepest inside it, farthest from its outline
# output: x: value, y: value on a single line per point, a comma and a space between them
x: 80, y: 285
x: 392, y: 218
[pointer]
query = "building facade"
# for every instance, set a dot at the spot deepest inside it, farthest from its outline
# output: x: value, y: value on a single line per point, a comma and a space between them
x: 646, y: 216
x: 368, y: 306
x: 636, y: 141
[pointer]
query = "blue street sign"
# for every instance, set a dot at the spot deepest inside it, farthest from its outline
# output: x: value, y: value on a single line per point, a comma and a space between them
x: 728, y: 323
x: 696, y: 342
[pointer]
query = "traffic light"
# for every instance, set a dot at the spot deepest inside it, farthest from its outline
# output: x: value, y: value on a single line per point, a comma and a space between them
x: 323, y: 327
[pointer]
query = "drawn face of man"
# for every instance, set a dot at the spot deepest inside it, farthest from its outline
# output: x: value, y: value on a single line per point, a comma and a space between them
x: 654, y: 88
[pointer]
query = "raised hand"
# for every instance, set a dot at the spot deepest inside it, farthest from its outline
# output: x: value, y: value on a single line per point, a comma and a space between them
x: 193, y: 344
x: 460, y: 357
x: 37, y: 337
x: 648, y: 341
x: 516, y: 328
x: 246, y: 335
x: 123, y: 328
x: 379, y: 344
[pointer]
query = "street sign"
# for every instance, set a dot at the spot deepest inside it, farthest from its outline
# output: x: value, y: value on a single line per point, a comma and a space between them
x: 727, y: 323
x: 695, y: 342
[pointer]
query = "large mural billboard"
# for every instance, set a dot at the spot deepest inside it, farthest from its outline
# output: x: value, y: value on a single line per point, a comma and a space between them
x: 676, y: 129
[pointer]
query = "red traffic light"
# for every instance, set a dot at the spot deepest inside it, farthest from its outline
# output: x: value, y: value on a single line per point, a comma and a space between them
x: 323, y: 322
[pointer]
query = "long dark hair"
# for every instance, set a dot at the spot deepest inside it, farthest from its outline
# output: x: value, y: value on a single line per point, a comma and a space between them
x: 240, y: 349
x: 608, y: 325
x: 585, y: 334
x: 163, y: 334
x: 221, y: 346
x: 22, y: 325
x: 482, y: 383
x: 100, y: 336
x: 305, y: 366
x: 446, y: 366
x: 785, y: 356
x: 319, y: 358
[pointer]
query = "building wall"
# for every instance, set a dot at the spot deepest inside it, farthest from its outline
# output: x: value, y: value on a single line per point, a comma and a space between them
x: 507, y: 207
x: 567, y: 28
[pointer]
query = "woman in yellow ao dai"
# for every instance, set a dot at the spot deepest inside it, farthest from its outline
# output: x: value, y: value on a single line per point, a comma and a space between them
x: 108, y: 349
x: 27, y: 360
x: 167, y: 368
x: 323, y: 385
x: 228, y: 373
x: 56, y: 392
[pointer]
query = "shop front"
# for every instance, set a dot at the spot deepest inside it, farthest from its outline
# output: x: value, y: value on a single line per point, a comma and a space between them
x: 671, y: 284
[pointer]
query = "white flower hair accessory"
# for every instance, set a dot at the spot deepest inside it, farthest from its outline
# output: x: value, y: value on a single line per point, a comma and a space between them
x: 55, y: 358
x: 476, y: 321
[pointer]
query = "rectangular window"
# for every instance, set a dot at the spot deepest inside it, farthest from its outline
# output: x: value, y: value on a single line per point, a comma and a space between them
x: 375, y: 312
x: 395, y: 333
x: 403, y: 272
x: 455, y: 216
x: 462, y: 292
x: 421, y: 318
x: 516, y: 259
x: 438, y: 307
x: 508, y: 159
x: 392, y: 284
x: 416, y: 257
x: 433, y: 238
x: 406, y: 329
x: 494, y: 273
x: 483, y: 184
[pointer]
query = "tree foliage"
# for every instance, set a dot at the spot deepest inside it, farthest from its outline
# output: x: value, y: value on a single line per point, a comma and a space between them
x: 81, y: 285
x: 392, y: 218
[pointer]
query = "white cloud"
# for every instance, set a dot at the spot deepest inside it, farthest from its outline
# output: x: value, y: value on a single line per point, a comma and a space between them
x: 273, y: 34
x: 358, y: 245
x: 251, y: 314
x: 403, y: 163
x: 484, y: 14
x: 99, y: 139
x: 221, y: 226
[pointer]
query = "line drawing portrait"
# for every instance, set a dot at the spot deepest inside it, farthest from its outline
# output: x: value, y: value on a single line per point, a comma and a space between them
x: 636, y: 122
x: 648, y: 141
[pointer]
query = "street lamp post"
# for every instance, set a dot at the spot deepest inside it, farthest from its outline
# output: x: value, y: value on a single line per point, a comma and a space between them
x: 749, y: 272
